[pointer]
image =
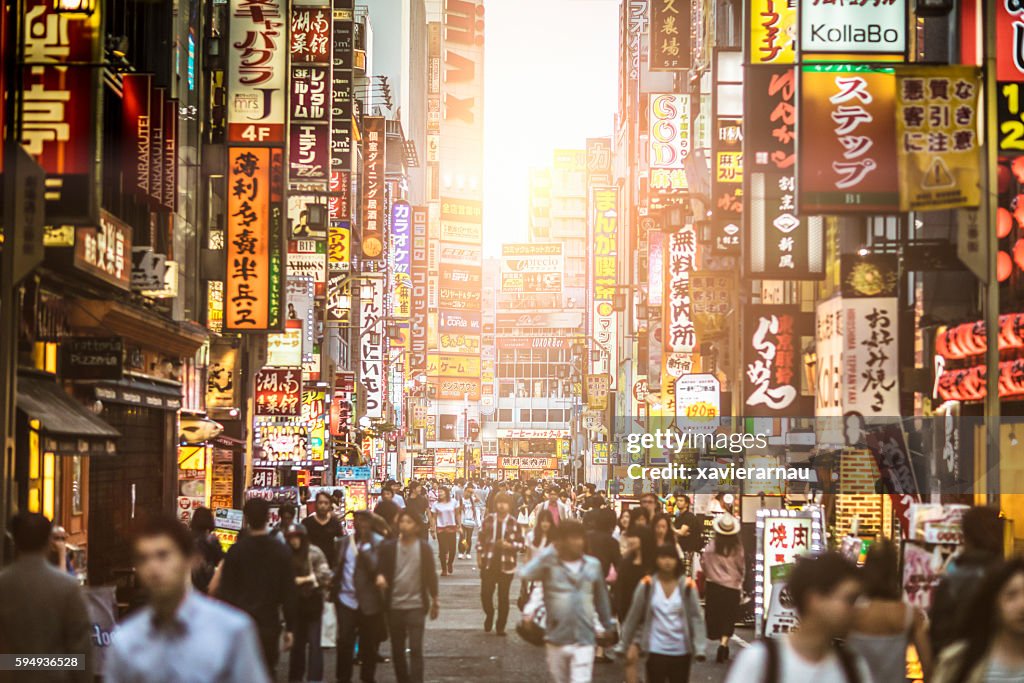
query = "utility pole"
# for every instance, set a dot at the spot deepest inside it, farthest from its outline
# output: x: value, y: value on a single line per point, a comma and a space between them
x: 991, y: 199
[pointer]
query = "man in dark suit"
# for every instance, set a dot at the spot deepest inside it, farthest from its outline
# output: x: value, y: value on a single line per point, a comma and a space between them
x: 357, y: 600
x: 42, y: 610
x: 409, y: 581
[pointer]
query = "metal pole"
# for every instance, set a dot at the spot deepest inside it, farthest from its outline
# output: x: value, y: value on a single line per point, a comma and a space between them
x: 992, y: 407
x: 8, y: 297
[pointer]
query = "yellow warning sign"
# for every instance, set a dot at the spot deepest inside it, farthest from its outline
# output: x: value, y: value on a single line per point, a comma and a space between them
x: 938, y: 176
x: 937, y: 137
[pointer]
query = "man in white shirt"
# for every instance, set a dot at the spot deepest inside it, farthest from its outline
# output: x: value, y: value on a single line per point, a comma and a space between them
x: 823, y: 589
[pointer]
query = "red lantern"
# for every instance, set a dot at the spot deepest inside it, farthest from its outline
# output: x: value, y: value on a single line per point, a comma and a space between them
x: 1018, y: 254
x: 1018, y: 171
x: 1004, y: 266
x: 1004, y: 222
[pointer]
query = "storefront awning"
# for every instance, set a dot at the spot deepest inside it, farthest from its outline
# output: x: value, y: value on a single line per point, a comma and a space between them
x: 140, y: 392
x: 66, y: 427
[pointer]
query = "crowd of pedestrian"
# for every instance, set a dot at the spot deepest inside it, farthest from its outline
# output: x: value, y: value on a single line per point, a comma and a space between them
x: 647, y: 587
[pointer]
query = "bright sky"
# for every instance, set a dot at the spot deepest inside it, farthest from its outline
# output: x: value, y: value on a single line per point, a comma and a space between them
x: 550, y: 70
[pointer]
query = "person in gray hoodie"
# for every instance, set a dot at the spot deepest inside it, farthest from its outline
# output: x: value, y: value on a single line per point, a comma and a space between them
x: 578, y: 609
x: 665, y: 621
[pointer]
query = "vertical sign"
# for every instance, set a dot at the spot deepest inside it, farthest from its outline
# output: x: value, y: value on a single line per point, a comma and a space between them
x: 135, y: 126
x: 158, y: 99
x: 773, y: 338
x: 668, y: 141
x: 682, y: 254
x: 400, y: 251
x: 670, y: 35
x: 937, y: 137
x: 848, y: 148
x: 371, y: 343
x: 253, y: 287
x: 605, y: 265
x: 59, y: 104
x: 309, y: 149
x: 341, y: 86
x: 170, y: 195
x: 781, y: 245
x: 418, y: 268
x: 727, y: 184
x: 256, y: 78
x: 374, y: 203
x: 772, y: 31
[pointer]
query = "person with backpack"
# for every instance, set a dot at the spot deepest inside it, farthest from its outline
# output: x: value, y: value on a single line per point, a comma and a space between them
x: 665, y: 621
x: 824, y: 590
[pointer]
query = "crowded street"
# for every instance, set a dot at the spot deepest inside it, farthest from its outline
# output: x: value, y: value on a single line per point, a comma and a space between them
x: 459, y: 650
x: 567, y: 341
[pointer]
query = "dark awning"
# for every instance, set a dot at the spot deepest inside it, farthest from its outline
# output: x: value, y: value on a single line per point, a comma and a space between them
x: 141, y: 392
x: 66, y: 426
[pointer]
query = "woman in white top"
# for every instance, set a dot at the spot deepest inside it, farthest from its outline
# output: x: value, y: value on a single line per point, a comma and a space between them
x: 445, y: 518
x: 665, y: 621
x: 473, y: 511
x: 883, y: 624
x: 531, y: 594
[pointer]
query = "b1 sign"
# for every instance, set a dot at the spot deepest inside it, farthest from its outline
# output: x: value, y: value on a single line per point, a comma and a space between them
x: 876, y: 28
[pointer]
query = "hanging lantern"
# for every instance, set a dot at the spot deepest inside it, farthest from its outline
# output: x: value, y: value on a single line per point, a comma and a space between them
x: 1004, y: 266
x: 1004, y: 223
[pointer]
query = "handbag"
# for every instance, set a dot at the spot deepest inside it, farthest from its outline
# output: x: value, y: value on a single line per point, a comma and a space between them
x: 533, y: 631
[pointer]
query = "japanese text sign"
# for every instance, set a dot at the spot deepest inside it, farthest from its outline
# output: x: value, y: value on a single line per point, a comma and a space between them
x: 374, y: 201
x: 253, y: 286
x: 668, y: 141
x: 256, y: 73
x: 847, y: 151
x: 780, y: 243
x: 278, y: 392
x: 670, y: 35
x: 772, y: 31
x: 773, y: 339
x: 937, y: 137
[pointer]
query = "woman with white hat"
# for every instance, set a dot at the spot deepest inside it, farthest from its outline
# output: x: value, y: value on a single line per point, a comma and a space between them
x: 724, y: 566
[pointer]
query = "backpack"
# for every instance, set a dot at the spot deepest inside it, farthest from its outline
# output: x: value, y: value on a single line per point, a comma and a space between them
x: 773, y: 669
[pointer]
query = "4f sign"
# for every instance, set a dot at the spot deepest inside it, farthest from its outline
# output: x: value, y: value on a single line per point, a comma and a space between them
x: 870, y: 28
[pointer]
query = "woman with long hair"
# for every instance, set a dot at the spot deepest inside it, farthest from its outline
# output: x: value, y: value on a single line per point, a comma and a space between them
x: 724, y: 567
x: 883, y: 624
x: 621, y: 525
x: 663, y: 534
x: 445, y: 518
x: 665, y: 621
x: 531, y: 593
x: 636, y: 563
x: 993, y: 650
x: 312, y: 576
x: 208, y: 549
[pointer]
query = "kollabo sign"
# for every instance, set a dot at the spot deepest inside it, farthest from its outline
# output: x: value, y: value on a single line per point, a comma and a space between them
x: 869, y: 28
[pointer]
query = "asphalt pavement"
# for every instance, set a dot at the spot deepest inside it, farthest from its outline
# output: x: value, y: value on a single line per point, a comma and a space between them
x: 458, y: 650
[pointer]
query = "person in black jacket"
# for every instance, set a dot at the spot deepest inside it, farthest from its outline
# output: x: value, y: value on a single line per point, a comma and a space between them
x: 409, y: 581
x: 982, y: 549
x: 256, y: 576
x: 357, y: 600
